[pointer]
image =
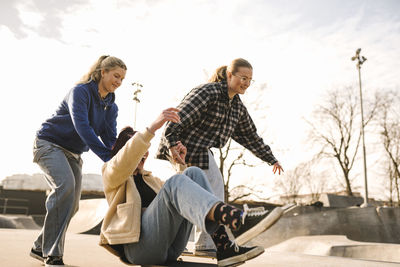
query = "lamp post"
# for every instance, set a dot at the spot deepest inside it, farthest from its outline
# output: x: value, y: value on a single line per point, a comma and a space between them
x: 360, y: 60
x: 138, y: 87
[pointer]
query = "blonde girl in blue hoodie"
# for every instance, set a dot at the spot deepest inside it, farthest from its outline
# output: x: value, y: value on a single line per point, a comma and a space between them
x: 85, y: 119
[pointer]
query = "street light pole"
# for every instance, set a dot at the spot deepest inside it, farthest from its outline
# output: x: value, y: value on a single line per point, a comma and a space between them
x: 360, y: 61
x: 137, y: 86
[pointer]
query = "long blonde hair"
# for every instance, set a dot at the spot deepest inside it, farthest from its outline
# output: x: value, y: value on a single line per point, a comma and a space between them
x: 219, y: 74
x: 106, y: 63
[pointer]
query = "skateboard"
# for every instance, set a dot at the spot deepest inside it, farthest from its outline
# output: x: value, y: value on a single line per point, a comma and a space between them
x: 191, y: 254
x: 181, y: 263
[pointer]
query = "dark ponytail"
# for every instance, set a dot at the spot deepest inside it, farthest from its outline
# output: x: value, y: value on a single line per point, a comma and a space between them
x: 123, y: 137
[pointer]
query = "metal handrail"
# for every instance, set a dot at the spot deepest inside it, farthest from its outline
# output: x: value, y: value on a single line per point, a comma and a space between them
x: 6, y: 205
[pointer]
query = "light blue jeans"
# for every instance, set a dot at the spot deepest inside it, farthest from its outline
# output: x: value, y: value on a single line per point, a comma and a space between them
x: 183, y: 201
x: 63, y: 173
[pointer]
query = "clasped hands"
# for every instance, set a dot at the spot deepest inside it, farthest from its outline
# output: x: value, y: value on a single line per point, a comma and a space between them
x: 178, y: 153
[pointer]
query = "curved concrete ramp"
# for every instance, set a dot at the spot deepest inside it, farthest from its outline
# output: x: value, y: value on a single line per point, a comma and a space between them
x: 89, y: 217
x: 340, y: 246
x: 6, y: 222
x: 370, y: 224
x: 18, y: 222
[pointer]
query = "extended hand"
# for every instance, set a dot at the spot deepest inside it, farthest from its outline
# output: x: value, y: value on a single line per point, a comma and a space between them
x: 169, y: 114
x: 277, y: 167
x: 178, y: 153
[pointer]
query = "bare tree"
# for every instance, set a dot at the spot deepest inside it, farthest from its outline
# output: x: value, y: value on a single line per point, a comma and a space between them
x: 290, y: 183
x: 337, y: 128
x: 301, y: 177
x: 389, y: 123
x: 226, y: 168
x: 315, y: 182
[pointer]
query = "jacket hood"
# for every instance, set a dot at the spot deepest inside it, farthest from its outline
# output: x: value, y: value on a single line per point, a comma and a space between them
x: 94, y: 90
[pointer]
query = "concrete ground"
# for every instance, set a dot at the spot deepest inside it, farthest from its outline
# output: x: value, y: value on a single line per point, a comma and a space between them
x: 83, y: 250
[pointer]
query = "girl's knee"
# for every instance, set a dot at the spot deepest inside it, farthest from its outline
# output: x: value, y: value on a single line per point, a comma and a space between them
x: 194, y: 172
x: 198, y: 176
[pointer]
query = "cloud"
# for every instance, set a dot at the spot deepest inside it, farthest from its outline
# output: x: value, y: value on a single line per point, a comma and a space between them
x: 9, y: 17
x: 17, y: 16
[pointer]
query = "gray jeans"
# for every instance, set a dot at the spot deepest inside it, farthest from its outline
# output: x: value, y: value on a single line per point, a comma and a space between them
x: 63, y: 173
x: 183, y: 201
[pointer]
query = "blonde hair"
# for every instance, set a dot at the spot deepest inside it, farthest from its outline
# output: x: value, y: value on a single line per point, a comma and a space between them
x: 220, y: 73
x: 106, y: 63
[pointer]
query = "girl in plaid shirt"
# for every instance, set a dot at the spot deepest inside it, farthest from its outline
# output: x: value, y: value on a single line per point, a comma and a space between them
x: 210, y: 114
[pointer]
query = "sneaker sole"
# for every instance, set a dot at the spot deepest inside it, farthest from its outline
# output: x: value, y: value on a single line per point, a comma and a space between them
x: 240, y: 259
x: 33, y: 255
x: 263, y: 225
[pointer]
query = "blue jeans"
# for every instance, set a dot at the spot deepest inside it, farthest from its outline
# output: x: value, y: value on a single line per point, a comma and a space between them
x: 63, y: 173
x: 183, y: 201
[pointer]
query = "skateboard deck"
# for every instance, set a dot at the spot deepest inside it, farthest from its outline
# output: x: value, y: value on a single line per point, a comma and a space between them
x: 185, y: 264
x: 191, y: 254
x: 181, y: 263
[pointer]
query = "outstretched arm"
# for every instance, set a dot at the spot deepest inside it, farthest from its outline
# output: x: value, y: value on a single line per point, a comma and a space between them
x: 246, y: 135
x: 123, y: 164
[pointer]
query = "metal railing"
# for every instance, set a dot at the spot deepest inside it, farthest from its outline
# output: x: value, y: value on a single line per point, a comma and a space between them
x: 14, y: 204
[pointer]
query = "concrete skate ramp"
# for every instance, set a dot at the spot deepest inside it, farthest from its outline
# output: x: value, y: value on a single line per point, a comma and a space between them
x: 360, y: 224
x: 18, y: 222
x: 89, y: 217
x: 340, y: 246
x: 6, y: 222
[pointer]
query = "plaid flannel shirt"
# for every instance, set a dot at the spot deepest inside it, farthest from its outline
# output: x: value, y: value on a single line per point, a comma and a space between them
x: 209, y: 119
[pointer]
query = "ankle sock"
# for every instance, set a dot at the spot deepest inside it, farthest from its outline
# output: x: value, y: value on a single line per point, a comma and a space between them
x: 228, y: 215
x: 221, y: 239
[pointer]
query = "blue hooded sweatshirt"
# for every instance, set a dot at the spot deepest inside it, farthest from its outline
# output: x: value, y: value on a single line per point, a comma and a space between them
x: 80, y: 119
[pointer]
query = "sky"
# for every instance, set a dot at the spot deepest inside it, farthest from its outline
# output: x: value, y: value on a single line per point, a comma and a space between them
x: 299, y: 50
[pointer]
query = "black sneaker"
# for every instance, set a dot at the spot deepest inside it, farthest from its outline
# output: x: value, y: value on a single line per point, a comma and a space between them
x: 255, y: 221
x: 54, y: 261
x: 37, y: 254
x: 250, y: 218
x: 236, y: 255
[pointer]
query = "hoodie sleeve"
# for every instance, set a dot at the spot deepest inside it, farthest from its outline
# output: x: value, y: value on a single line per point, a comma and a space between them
x: 110, y: 135
x: 121, y: 166
x: 78, y: 105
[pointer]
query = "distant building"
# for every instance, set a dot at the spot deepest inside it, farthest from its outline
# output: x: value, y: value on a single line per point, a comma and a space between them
x: 334, y: 199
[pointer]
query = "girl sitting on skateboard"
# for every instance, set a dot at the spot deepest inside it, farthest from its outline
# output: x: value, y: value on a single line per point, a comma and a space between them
x: 149, y: 221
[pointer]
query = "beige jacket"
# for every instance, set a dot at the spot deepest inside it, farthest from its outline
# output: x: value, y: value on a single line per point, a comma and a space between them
x: 121, y: 223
